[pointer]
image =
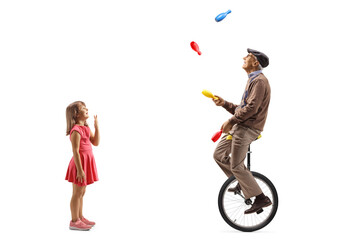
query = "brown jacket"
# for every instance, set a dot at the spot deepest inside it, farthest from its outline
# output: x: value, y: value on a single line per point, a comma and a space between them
x: 254, y: 105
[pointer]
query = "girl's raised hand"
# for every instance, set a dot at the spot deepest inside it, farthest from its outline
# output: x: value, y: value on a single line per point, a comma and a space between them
x: 95, y: 122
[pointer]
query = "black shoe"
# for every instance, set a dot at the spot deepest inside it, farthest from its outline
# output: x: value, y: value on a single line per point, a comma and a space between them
x: 235, y: 189
x: 258, y: 205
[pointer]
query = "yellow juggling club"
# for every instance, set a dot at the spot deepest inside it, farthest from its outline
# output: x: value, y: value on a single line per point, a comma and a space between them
x: 208, y: 94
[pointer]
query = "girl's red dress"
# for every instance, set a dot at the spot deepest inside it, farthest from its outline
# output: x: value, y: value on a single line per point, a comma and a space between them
x: 86, y: 156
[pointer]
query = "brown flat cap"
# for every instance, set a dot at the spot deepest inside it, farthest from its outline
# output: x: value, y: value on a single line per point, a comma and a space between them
x: 261, y: 57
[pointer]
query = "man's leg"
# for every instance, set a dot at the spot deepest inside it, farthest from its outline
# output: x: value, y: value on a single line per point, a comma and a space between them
x: 221, y: 155
x: 241, y: 139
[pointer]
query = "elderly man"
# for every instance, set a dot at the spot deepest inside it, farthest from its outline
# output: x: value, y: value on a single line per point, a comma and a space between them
x: 245, y: 126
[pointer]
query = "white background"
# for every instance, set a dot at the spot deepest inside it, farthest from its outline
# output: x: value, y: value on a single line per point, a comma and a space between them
x: 131, y: 63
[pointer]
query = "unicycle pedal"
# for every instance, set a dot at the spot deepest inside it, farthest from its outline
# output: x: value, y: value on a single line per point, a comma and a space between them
x: 260, y: 211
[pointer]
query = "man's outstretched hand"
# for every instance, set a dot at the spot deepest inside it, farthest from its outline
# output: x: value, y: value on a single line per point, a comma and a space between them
x: 219, y: 101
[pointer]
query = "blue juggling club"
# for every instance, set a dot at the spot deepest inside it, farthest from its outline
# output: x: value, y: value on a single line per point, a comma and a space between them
x: 221, y: 16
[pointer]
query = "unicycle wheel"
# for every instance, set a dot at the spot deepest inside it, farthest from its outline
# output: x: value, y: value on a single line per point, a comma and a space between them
x: 232, y: 205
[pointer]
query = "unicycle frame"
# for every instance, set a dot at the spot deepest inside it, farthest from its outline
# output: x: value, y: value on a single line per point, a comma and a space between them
x: 248, y: 157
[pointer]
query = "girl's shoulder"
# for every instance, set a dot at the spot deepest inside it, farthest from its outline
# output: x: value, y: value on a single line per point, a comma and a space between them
x: 78, y: 129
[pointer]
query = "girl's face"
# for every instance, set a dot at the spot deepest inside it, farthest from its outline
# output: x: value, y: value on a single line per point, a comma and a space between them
x: 83, y: 113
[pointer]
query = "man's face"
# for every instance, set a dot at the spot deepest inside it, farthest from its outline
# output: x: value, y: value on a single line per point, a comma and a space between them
x: 250, y: 62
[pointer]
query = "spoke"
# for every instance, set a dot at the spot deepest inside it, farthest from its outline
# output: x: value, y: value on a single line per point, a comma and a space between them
x: 239, y: 213
x: 241, y: 219
x: 232, y: 201
x: 232, y: 197
x: 233, y: 216
x: 231, y: 208
x: 234, y: 206
x: 261, y: 217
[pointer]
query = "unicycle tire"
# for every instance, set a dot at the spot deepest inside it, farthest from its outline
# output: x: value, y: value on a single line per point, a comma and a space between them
x: 232, y: 205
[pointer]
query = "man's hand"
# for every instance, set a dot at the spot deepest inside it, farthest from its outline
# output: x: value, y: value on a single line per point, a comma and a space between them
x: 226, y: 127
x: 219, y: 102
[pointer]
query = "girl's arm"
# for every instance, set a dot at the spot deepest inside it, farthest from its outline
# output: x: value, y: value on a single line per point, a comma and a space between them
x: 75, y: 142
x: 95, y: 138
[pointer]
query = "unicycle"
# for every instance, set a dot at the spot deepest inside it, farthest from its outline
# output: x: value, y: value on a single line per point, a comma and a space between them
x: 233, y: 204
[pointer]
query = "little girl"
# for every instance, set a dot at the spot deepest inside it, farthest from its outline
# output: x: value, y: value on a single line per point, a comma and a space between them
x: 82, y: 168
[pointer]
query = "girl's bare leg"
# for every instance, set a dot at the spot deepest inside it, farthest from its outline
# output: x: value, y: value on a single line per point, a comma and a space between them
x: 81, y: 203
x: 75, y: 201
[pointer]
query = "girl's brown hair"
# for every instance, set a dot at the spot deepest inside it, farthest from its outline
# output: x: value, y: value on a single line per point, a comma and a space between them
x: 71, y: 115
